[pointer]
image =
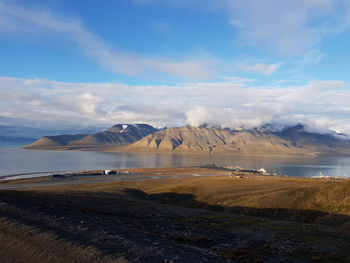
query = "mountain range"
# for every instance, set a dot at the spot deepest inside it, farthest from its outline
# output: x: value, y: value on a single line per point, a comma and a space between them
x: 293, y: 140
x: 118, y: 135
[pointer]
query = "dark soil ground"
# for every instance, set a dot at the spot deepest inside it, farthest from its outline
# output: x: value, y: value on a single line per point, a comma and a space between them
x: 153, y: 221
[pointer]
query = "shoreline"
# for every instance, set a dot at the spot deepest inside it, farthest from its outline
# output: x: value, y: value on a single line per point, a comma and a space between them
x: 99, y: 172
x: 140, y: 174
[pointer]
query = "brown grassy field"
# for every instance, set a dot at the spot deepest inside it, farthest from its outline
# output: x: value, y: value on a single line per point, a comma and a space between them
x: 198, y: 219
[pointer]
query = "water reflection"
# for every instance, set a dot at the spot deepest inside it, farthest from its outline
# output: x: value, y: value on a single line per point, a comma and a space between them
x: 14, y: 160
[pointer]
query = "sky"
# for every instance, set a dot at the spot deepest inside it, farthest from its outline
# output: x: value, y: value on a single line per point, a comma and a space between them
x: 241, y: 63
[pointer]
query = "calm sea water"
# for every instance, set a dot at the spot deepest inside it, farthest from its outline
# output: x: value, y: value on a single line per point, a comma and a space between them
x: 14, y: 160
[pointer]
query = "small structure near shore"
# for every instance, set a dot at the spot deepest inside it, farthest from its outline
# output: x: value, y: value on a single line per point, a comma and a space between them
x: 236, y: 168
x: 262, y: 171
x: 109, y: 172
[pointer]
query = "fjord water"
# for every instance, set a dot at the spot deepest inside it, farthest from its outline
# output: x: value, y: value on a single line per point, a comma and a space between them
x: 14, y: 160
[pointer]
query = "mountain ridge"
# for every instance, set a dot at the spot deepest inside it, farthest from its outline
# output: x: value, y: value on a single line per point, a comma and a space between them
x: 117, y: 135
x: 291, y: 140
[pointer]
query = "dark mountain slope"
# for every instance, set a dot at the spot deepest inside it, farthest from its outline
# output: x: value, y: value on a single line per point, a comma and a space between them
x: 118, y: 135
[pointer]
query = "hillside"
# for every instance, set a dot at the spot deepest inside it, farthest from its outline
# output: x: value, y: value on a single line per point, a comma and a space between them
x: 290, y: 141
x: 173, y: 217
x: 118, y: 135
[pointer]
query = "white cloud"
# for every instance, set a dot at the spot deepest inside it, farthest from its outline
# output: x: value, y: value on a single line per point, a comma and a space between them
x: 288, y: 27
x: 321, y: 104
x: 266, y: 69
x: 226, y: 117
x: 31, y: 22
x: 310, y: 58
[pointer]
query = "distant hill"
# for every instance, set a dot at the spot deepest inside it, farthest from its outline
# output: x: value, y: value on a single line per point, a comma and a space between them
x: 290, y: 141
x: 32, y: 132
x: 118, y: 135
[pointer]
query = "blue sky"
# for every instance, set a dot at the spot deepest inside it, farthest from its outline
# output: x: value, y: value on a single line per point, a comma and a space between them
x: 229, y: 63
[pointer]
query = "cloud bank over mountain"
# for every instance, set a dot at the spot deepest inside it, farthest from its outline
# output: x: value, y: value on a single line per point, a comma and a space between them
x: 322, y: 105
